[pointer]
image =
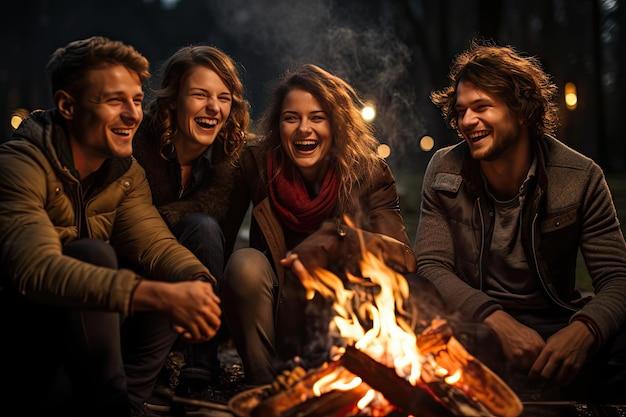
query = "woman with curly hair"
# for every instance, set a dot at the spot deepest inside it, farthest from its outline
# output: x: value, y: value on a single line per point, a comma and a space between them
x: 194, y: 130
x: 315, y: 162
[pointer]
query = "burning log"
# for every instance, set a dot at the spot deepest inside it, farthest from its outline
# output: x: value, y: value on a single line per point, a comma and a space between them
x: 285, y: 403
x: 481, y: 392
x: 331, y: 404
x: 477, y: 392
x: 434, y: 338
x: 400, y: 392
x: 479, y: 382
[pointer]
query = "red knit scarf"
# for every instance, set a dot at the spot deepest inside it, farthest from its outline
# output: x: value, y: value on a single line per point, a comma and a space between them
x: 290, y: 198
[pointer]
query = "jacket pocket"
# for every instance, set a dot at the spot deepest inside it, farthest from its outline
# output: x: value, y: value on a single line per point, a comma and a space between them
x: 558, y: 221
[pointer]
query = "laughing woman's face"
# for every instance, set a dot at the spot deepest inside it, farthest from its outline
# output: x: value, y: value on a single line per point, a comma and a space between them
x: 305, y: 132
x: 202, y: 108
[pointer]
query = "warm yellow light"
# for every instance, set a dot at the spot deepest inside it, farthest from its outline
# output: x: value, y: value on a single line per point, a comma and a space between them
x: 427, y: 143
x: 368, y: 112
x: 571, y: 97
x: 17, y: 116
x: 15, y: 121
x: 384, y: 150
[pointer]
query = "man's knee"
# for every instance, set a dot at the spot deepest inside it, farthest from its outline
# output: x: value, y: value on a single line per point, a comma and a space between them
x: 93, y: 251
x: 200, y: 222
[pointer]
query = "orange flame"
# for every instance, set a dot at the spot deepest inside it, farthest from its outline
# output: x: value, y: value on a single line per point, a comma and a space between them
x: 389, y: 339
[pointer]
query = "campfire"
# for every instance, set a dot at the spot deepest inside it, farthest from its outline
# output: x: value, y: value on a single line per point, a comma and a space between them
x: 384, y: 366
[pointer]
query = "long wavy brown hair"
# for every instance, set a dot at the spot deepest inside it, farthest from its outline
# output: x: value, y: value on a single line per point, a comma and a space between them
x: 514, y: 77
x: 173, y: 71
x: 354, y: 147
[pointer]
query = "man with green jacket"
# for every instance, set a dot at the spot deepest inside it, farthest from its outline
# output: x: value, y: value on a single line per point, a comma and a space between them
x: 75, y: 207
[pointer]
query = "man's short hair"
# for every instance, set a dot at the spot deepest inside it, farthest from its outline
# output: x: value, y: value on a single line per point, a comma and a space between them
x: 68, y: 65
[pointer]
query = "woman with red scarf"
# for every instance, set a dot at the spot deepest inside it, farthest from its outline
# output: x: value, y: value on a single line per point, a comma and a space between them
x: 315, y: 164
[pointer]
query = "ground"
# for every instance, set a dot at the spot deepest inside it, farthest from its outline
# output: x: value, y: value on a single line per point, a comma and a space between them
x: 231, y: 383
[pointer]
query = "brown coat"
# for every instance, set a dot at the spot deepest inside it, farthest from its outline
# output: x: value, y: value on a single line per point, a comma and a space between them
x: 42, y: 209
x: 380, y: 219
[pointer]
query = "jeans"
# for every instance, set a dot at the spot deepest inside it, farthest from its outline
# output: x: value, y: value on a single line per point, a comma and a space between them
x: 248, y: 297
x: 80, y: 362
x: 270, y: 333
x: 202, y: 235
x: 602, y: 378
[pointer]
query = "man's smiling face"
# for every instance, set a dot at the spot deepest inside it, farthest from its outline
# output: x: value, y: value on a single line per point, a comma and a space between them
x: 485, y: 122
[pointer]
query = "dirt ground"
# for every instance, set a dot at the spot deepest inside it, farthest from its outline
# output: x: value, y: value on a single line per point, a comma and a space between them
x: 214, y: 400
x: 216, y: 396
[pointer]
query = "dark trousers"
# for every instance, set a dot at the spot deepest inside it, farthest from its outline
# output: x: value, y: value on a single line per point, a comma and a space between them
x: 602, y: 379
x: 78, y: 362
x: 248, y: 297
x: 202, y: 235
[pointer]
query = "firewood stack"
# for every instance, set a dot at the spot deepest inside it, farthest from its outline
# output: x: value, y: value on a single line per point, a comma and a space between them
x: 478, y: 392
x: 443, y: 378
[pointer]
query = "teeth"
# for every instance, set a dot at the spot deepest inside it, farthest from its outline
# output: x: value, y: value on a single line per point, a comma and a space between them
x: 478, y: 134
x: 207, y: 121
x: 122, y: 131
x: 305, y: 142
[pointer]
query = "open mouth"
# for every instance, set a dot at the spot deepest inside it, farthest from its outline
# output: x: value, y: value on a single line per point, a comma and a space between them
x: 478, y: 135
x: 305, y: 145
x: 122, y: 132
x: 206, y: 123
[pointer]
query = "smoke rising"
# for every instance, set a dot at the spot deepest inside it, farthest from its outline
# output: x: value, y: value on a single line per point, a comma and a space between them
x: 350, y: 41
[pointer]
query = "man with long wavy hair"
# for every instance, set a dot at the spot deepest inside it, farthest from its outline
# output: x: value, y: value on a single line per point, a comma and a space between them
x: 504, y: 214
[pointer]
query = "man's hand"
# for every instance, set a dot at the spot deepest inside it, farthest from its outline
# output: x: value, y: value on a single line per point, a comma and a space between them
x: 564, y: 354
x: 521, y: 344
x: 192, y: 305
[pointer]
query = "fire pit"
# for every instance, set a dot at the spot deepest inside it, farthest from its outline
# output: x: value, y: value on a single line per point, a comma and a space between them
x: 384, y: 367
x: 355, y: 384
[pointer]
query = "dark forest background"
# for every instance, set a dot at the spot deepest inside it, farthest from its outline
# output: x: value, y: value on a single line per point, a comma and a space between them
x: 394, y: 51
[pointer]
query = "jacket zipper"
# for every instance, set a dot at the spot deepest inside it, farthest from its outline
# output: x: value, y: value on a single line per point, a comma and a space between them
x: 536, y: 262
x: 482, y: 245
